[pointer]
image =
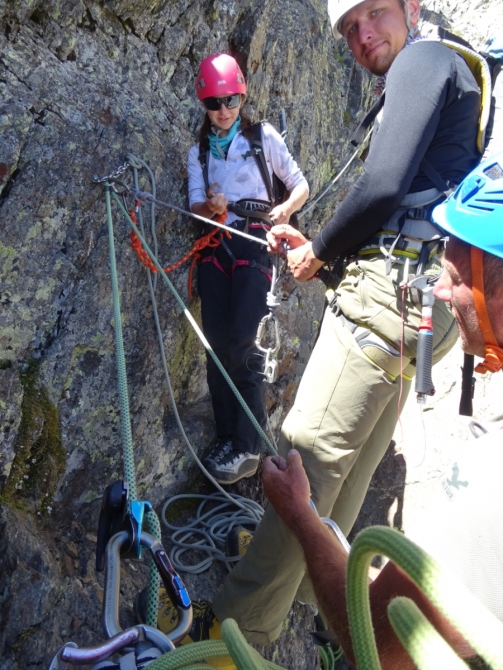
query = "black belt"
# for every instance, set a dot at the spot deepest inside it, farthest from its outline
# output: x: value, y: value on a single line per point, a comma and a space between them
x: 249, y: 214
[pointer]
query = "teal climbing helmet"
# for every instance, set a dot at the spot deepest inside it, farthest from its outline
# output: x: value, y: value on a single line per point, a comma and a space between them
x: 474, y: 212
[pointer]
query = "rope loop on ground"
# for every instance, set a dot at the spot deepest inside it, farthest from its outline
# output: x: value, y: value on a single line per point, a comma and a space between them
x: 215, y: 516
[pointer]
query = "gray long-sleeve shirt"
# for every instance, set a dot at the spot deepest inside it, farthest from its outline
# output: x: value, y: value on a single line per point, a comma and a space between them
x: 431, y: 111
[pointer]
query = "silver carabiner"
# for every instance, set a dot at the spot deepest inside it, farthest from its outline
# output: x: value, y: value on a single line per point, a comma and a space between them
x: 271, y: 367
x: 70, y: 652
x: 171, y: 581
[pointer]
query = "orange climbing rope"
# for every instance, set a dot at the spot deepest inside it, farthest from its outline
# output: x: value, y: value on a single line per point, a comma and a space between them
x: 203, y: 242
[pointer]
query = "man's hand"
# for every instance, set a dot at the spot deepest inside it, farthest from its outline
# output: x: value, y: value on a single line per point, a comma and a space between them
x: 284, y: 233
x: 302, y: 262
x: 286, y: 486
x: 216, y: 202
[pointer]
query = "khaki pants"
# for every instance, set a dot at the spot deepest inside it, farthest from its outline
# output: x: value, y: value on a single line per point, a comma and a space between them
x: 342, y: 422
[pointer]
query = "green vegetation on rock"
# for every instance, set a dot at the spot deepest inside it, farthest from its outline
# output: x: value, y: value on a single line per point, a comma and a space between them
x: 40, y: 456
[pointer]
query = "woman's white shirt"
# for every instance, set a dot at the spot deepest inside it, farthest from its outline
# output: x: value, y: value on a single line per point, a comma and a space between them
x: 239, y: 177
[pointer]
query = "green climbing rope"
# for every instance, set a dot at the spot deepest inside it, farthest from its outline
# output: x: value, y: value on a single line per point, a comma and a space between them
x: 233, y: 644
x: 125, y: 419
x: 473, y: 621
x: 194, y: 324
x: 426, y: 647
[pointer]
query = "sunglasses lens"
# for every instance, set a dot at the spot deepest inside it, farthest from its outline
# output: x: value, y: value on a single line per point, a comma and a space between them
x: 214, y: 104
x: 233, y: 101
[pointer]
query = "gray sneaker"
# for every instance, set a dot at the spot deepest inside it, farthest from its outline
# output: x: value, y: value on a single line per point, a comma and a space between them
x: 227, y: 465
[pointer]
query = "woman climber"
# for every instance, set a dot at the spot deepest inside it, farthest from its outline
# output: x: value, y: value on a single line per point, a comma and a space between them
x: 225, y: 181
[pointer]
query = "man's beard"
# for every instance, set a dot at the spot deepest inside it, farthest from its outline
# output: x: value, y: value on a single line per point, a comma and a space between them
x: 384, y: 63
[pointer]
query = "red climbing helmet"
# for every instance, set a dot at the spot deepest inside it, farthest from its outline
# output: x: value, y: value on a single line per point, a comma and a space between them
x: 219, y: 75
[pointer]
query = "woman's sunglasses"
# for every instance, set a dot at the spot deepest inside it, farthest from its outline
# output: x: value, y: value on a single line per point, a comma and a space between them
x: 214, y: 104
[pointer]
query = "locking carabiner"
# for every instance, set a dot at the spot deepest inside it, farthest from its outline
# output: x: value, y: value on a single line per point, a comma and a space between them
x: 172, y: 583
x: 270, y: 353
x: 271, y: 367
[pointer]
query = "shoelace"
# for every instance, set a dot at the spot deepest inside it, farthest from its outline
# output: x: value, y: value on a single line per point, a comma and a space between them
x: 228, y: 457
x: 224, y: 451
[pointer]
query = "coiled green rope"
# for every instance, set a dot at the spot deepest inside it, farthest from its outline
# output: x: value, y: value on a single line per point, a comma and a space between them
x: 473, y: 621
x: 233, y: 644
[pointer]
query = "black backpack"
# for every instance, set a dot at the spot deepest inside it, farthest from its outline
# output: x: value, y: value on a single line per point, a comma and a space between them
x: 276, y: 190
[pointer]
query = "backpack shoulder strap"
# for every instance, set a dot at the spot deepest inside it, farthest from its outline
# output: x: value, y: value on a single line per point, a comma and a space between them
x: 257, y: 151
x: 204, y: 157
x: 480, y: 70
x: 359, y: 135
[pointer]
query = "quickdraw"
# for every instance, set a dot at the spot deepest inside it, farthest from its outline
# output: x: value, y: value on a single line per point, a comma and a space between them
x: 271, y: 367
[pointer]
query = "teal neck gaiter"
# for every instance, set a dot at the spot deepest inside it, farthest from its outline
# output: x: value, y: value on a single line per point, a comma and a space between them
x: 219, y: 145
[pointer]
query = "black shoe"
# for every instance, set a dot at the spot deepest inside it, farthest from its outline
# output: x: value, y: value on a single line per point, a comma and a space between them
x: 228, y: 464
x: 237, y: 541
x: 220, y: 443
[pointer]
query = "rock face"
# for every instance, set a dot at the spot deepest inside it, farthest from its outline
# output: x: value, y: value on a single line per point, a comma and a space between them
x: 82, y: 84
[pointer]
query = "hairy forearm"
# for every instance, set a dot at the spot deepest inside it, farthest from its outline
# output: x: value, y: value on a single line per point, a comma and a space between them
x: 327, y: 560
